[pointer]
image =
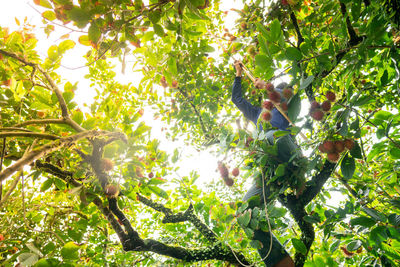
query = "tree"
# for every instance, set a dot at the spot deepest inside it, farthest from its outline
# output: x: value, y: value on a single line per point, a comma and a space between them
x: 109, y: 195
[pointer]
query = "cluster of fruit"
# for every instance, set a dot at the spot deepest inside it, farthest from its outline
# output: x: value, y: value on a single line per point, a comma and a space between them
x: 334, y: 148
x: 224, y: 172
x: 317, y: 110
x: 275, y: 98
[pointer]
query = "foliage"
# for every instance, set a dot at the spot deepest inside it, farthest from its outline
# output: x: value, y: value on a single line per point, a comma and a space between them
x: 185, y: 54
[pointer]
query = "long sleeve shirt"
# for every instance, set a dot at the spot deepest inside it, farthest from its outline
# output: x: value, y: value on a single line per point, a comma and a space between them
x: 252, y: 112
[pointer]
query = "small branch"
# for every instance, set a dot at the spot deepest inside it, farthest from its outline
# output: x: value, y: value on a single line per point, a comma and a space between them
x: 3, y: 150
x: 29, y: 134
x: 14, y: 129
x: 44, y: 121
x: 300, y: 38
x: 10, y: 190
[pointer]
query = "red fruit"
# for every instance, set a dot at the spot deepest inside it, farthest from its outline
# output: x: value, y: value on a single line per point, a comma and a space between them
x: 284, y: 2
x: 41, y: 114
x: 163, y: 82
x: 253, y: 92
x: 248, y: 141
x: 174, y: 84
x: 317, y: 115
x: 315, y: 105
x: 235, y: 172
x: 339, y: 146
x: 326, y: 106
x: 266, y: 116
x: 349, y: 144
x: 329, y: 146
x: 284, y: 106
x: 141, y: 112
x: 223, y: 170
x: 322, y: 149
x: 229, y: 181
x: 330, y: 96
x: 363, y: 81
x: 111, y: 190
x: 274, y: 96
x: 269, y: 87
x: 106, y: 164
x: 287, y: 93
x: 268, y: 105
x: 151, y: 175
x: 333, y: 157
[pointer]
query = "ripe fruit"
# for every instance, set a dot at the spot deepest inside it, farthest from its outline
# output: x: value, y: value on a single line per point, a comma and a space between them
x: 315, y: 105
x: 326, y: 105
x: 243, y: 25
x: 174, y: 84
x: 235, y: 171
x: 287, y: 93
x: 229, y: 181
x: 269, y: 87
x: 253, y: 92
x: 266, y: 116
x: 321, y: 148
x: 284, y: 106
x: 106, y: 164
x: 330, y: 96
x: 274, y: 96
x: 349, y: 144
x: 223, y: 170
x: 329, y: 146
x: 333, y: 157
x: 163, y: 82
x: 151, y: 175
x: 339, y: 146
x: 284, y: 2
x: 317, y: 115
x: 268, y: 105
x: 111, y: 190
x: 41, y: 114
x: 141, y: 112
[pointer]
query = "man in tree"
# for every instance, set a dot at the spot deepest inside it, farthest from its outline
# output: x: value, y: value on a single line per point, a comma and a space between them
x: 277, y: 257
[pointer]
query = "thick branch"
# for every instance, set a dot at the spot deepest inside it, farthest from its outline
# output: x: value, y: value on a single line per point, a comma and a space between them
x: 188, y: 215
x: 44, y: 121
x: 29, y: 134
x: 300, y: 38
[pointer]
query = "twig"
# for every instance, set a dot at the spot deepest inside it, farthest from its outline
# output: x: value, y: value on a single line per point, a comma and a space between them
x: 29, y: 134
x: 3, y: 150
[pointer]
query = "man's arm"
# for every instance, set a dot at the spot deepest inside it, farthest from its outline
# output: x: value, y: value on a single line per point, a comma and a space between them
x: 249, y: 111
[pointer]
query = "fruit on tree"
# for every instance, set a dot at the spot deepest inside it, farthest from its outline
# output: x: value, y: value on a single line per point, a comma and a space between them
x: 151, y: 175
x: 274, y: 96
x: 321, y: 148
x: 223, y: 170
x: 329, y: 146
x: 326, y: 105
x: 268, y: 105
x: 229, y: 181
x: 315, y: 105
x: 174, y: 84
x: 269, y: 87
x: 235, y: 172
x: 284, y: 106
x: 339, y: 146
x: 333, y: 157
x: 287, y: 93
x: 41, y: 114
x: 349, y: 144
x: 330, y: 96
x: 266, y: 116
x: 111, y: 190
x: 317, y: 115
x: 163, y: 82
x: 106, y: 164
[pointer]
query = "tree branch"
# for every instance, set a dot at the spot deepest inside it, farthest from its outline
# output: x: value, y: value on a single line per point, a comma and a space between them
x: 300, y: 38
x: 29, y: 134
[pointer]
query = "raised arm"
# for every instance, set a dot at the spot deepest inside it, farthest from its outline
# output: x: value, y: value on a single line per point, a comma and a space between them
x: 249, y: 111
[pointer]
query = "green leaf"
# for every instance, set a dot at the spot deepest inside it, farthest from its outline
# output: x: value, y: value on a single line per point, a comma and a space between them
x: 275, y: 30
x: 299, y: 246
x: 348, y: 166
x: 263, y: 30
x: 158, y: 30
x: 78, y: 116
x: 363, y: 221
x: 244, y: 218
x: 355, y: 152
x: 256, y: 244
x: 293, y: 53
x: 306, y: 82
x: 294, y: 106
x: 354, y: 245
x: 60, y: 184
x: 263, y: 62
x: 94, y: 33
x: 374, y: 214
x: 84, y: 40
x: 66, y: 45
x: 394, y: 219
x: 334, y: 246
x: 79, y: 15
x: 28, y: 259
x: 46, y: 185
x: 50, y: 15
x: 172, y: 65
x: 280, y: 170
x: 70, y: 251
x: 154, y: 16
x: 158, y: 191
x: 395, y: 153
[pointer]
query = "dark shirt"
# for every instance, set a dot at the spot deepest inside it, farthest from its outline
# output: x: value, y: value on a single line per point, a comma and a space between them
x: 252, y: 112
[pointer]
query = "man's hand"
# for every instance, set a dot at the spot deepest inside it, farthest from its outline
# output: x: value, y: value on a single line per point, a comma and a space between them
x: 259, y: 83
x: 238, y: 67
